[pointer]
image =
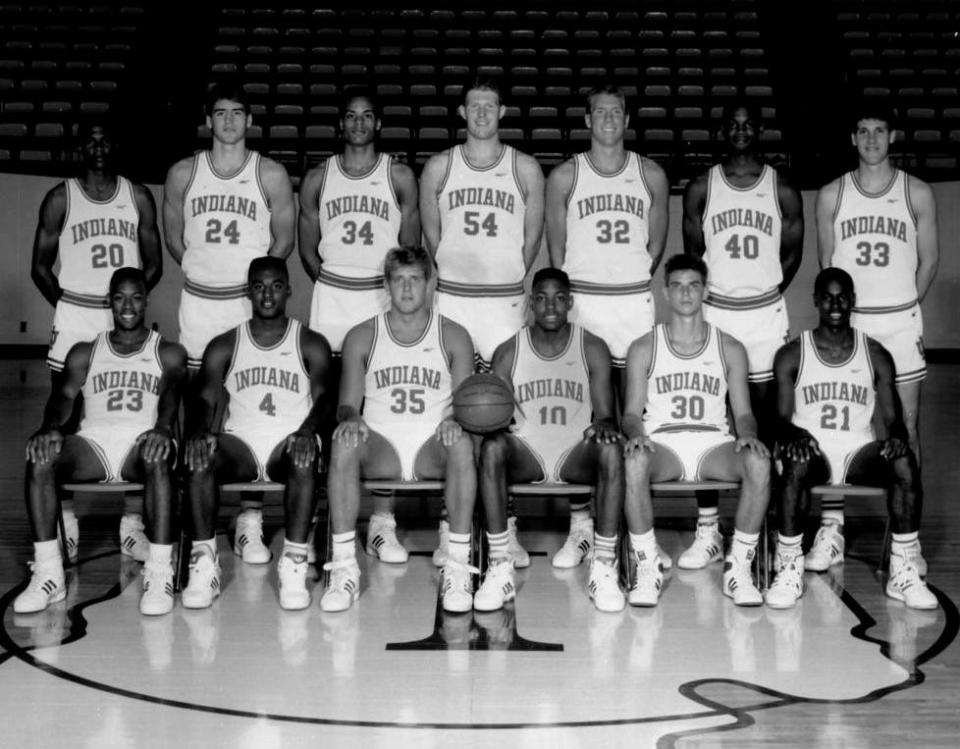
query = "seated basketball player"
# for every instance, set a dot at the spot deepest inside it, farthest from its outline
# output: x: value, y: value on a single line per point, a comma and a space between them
x: 394, y: 422
x: 829, y: 383
x: 680, y: 377
x: 272, y: 371
x: 565, y: 431
x: 131, y: 381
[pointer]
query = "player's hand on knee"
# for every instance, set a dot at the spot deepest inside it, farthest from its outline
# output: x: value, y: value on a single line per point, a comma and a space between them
x: 751, y: 443
x: 44, y: 446
x: 801, y: 449
x: 301, y: 446
x: 636, y: 445
x: 155, y: 444
x: 601, y: 432
x: 449, y: 432
x: 199, y: 450
x: 893, y: 448
x: 351, y: 432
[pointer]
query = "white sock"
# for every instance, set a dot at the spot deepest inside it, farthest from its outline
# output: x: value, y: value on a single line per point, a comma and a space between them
x: 644, y: 542
x: 743, y: 545
x: 344, y: 545
x: 160, y: 553
x: 460, y: 547
x: 208, y: 544
x: 47, y: 551
x: 708, y: 515
x: 789, y: 546
x: 294, y: 549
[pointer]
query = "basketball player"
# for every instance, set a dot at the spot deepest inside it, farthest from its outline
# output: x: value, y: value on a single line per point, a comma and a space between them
x: 93, y: 225
x: 221, y: 209
x: 680, y: 378
x: 272, y: 371
x: 399, y: 372
x: 565, y: 430
x: 746, y: 221
x: 606, y: 221
x: 481, y: 206
x: 879, y: 224
x: 131, y: 381
x: 353, y: 208
x: 829, y: 382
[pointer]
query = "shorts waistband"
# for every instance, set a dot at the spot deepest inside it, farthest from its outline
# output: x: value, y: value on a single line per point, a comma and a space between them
x: 673, y: 428
x: 370, y: 283
x: 886, y: 310
x: 609, y: 289
x: 466, y: 289
x: 215, y: 292
x: 739, y: 303
x: 94, y: 301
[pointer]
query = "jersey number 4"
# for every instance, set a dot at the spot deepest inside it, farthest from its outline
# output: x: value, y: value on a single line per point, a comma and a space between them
x: 216, y: 230
x: 266, y: 405
x: 472, y: 224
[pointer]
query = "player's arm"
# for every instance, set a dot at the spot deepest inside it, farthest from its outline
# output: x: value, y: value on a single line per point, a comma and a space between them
x: 209, y: 390
x: 279, y: 192
x: 795, y: 443
x: 174, y: 191
x: 148, y: 237
x: 928, y: 247
x: 46, y: 243
x: 308, y: 224
x: 603, y: 428
x: 659, y: 187
x: 351, y: 429
x: 637, y: 372
x: 503, y: 357
x: 157, y: 443
x: 825, y: 207
x: 531, y: 183
x: 888, y: 408
x: 430, y: 179
x: 738, y: 392
x: 44, y: 444
x: 694, y: 204
x: 559, y: 187
x: 791, y: 231
x: 458, y: 348
x: 405, y: 188
x: 302, y: 444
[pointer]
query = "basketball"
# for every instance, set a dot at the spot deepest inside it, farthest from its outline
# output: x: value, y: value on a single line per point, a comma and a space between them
x: 483, y: 403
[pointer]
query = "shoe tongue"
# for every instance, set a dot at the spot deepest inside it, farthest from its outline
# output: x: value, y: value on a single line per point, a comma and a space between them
x: 296, y: 558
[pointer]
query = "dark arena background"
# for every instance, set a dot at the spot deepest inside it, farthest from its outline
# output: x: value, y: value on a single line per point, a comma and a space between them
x: 847, y: 667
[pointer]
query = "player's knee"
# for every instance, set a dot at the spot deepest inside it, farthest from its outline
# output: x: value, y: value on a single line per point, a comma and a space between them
x: 636, y: 467
x: 905, y: 471
x: 38, y: 471
x: 493, y: 451
x: 344, y: 458
x: 610, y: 458
x: 461, y: 452
x: 756, y: 467
x: 153, y: 469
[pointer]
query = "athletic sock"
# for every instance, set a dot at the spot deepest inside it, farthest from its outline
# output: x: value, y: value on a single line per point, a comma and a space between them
x: 605, y: 547
x: 579, y: 514
x: 295, y: 549
x: 708, y: 515
x: 789, y: 545
x: 160, y: 553
x: 644, y: 542
x: 499, y: 545
x: 209, y: 544
x: 900, y: 542
x: 47, y: 551
x: 743, y: 545
x: 344, y: 545
x: 460, y: 547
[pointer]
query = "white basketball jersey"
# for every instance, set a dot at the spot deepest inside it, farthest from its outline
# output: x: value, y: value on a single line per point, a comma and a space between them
x: 226, y: 225
x: 98, y: 236
x: 122, y: 391
x: 406, y: 382
x: 269, y: 388
x: 686, y: 392
x: 875, y: 241
x: 481, y: 226
x: 835, y: 401
x: 608, y: 219
x: 741, y: 230
x: 359, y: 220
x: 552, y: 393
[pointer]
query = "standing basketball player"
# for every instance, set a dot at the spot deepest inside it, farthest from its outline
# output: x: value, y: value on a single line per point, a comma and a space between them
x: 131, y: 381
x: 272, y: 371
x: 680, y: 378
x: 353, y: 208
x: 879, y: 224
x: 93, y: 225
x: 746, y: 221
x: 606, y: 227
x: 221, y: 209
x: 399, y: 372
x: 481, y: 205
x: 566, y: 430
x: 829, y: 384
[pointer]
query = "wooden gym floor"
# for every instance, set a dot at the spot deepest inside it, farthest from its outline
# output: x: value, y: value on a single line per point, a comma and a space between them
x: 846, y: 668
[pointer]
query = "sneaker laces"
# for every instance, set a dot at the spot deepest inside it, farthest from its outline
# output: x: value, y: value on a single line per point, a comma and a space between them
x: 461, y: 572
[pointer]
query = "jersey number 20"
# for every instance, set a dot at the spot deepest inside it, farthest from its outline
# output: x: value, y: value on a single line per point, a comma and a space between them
x: 107, y: 257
